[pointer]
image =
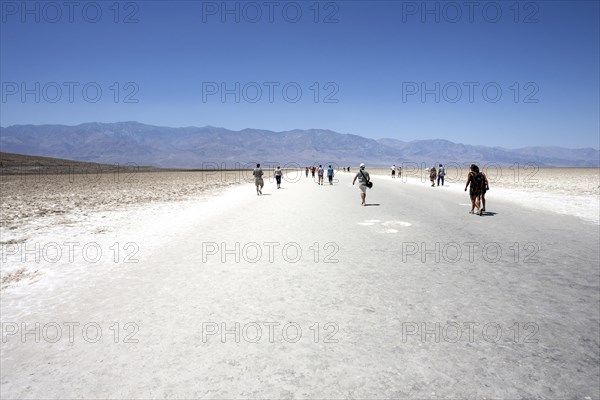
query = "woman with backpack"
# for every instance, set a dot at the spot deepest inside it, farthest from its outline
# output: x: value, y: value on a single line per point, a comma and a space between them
x: 432, y: 176
x: 479, y: 185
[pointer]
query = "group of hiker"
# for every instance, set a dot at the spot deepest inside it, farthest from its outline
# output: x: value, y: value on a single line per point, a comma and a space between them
x: 440, y: 174
x: 477, y: 182
x: 320, y: 173
x: 259, y: 182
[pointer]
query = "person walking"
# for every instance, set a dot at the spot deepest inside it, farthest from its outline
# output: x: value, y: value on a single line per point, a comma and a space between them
x: 312, y: 171
x: 476, y: 182
x: 258, y: 179
x: 394, y: 171
x: 441, y: 174
x: 278, y: 175
x: 432, y: 176
x: 306, y: 171
x: 330, y: 175
x: 364, y: 182
x: 320, y: 173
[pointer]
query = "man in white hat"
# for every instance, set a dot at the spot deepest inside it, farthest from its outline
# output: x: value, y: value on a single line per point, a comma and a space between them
x: 364, y: 181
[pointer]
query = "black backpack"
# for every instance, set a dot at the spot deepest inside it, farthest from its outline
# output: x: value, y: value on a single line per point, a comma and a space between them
x: 477, y: 181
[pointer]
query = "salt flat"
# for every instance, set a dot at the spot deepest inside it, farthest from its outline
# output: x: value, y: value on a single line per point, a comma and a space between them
x: 303, y: 293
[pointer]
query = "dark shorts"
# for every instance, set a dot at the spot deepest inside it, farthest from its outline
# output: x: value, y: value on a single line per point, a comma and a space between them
x: 278, y: 179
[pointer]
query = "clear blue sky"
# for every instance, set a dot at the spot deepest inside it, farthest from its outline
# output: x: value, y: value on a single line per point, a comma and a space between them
x: 375, y: 55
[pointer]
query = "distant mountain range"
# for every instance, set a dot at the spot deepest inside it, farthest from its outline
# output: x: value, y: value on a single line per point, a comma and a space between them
x: 194, y: 147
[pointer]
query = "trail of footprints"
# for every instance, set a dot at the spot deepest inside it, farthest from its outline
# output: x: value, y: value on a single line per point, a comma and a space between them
x: 386, y: 226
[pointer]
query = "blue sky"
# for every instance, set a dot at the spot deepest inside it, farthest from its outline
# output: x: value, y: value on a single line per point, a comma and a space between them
x: 527, y: 76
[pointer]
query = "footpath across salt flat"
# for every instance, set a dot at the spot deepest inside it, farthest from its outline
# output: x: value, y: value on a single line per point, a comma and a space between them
x: 303, y: 293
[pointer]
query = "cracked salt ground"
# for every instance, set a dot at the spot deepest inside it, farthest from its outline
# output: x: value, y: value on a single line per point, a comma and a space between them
x: 387, y: 226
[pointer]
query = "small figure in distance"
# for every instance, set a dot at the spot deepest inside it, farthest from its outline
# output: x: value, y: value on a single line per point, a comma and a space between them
x: 441, y: 174
x: 330, y: 175
x: 432, y: 176
x: 363, y: 180
x: 258, y: 180
x: 312, y: 171
x: 278, y: 175
x: 306, y: 171
x: 320, y: 172
x: 394, y: 171
x: 399, y: 172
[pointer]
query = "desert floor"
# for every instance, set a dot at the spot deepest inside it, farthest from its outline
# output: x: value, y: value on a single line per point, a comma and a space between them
x: 303, y: 293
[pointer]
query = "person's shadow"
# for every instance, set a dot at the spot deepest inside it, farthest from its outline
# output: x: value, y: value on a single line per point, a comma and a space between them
x: 372, y: 204
x: 488, y: 214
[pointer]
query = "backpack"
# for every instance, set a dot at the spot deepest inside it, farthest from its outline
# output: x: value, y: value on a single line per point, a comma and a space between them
x: 477, y: 181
